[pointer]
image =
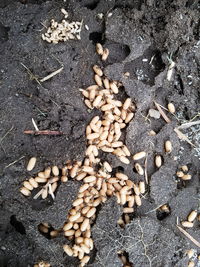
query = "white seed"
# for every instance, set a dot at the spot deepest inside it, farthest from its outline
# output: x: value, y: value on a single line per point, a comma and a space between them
x: 84, y: 93
x: 136, y: 189
x: 192, y: 216
x: 45, y: 193
x: 67, y: 226
x: 33, y: 182
x: 171, y: 108
x: 139, y: 155
x: 77, y: 202
x: 98, y: 70
x: 180, y: 174
x: 69, y: 232
x: 83, y: 188
x: 92, y: 87
x: 138, y: 201
x: 158, y: 161
x: 85, y: 260
x: 92, y: 95
x: 106, y: 83
x: 129, y: 117
x: 92, y: 136
x: 114, y: 88
x: 97, y: 101
x: 89, y: 179
x: 40, y: 180
x: 98, y: 80
x: 124, y: 159
x: 55, y: 170
x: 126, y: 151
x: 85, y: 224
x: 105, y: 54
x: 64, y: 178
x: 128, y: 210
x: 113, y: 180
x: 99, y: 49
x: 131, y: 202
x: 190, y: 253
x: 107, y: 166
x: 117, y: 144
x: 127, y: 103
x: 68, y: 250
x: 187, y: 224
x: 25, y: 191
x: 91, y: 212
x: 124, y: 190
x: 106, y: 107
x: 28, y: 185
x: 87, y: 169
x: 142, y: 187
x: 168, y: 146
x: 191, y: 264
x: 88, y: 103
x: 89, y: 150
x: 41, y: 175
x: 139, y: 169
x: 184, y: 168
x: 117, y: 111
x: 31, y: 164
x: 107, y: 149
x: 73, y: 218
x: 152, y: 133
x: 186, y: 177
x: 121, y: 176
x: 74, y: 170
x: 47, y: 172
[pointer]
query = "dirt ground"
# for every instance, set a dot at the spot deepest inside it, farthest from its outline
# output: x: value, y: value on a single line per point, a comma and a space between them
x: 132, y: 30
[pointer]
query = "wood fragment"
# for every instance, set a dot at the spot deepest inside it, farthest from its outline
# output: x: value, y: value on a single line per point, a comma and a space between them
x: 183, y: 136
x: 188, y: 124
x: 44, y: 132
x: 188, y: 236
x: 162, y: 113
x: 51, y: 75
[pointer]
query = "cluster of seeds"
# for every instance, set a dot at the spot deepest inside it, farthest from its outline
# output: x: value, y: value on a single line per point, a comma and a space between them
x: 63, y: 31
x: 183, y: 173
x: 189, y: 223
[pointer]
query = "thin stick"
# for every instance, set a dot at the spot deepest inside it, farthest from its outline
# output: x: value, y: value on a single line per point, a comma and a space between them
x: 188, y: 124
x: 35, y: 125
x: 6, y: 133
x: 183, y: 136
x: 44, y: 132
x: 51, y: 192
x: 145, y: 171
x: 189, y: 236
x: 12, y: 163
x: 51, y: 75
x: 162, y: 113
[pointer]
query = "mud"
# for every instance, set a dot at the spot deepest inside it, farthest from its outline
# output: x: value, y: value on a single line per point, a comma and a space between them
x: 133, y: 31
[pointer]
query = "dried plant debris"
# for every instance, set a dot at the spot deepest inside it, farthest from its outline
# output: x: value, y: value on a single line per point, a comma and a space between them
x: 63, y: 31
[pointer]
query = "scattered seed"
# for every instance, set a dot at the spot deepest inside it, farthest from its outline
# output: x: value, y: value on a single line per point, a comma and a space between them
x: 158, y: 161
x: 142, y: 187
x: 68, y: 250
x: 105, y: 54
x: 171, y: 108
x: 192, y: 216
x: 184, y: 168
x: 25, y: 191
x: 138, y: 200
x: 31, y: 164
x: 98, y: 70
x: 99, y: 49
x: 186, y: 177
x: 139, y: 169
x: 187, y: 224
x: 28, y: 185
x: 179, y: 174
x: 139, y: 155
x: 124, y: 159
x: 129, y: 117
x: 168, y: 146
x: 128, y: 210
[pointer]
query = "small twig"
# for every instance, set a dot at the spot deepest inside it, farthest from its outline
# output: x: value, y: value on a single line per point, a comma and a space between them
x: 35, y: 125
x: 12, y: 163
x: 6, y: 134
x: 188, y: 236
x: 183, y: 136
x: 51, y: 75
x: 188, y: 124
x: 145, y: 171
x: 44, y: 132
x: 162, y: 113
x: 32, y: 76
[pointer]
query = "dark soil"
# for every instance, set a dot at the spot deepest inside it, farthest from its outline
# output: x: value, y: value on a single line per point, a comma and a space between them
x: 134, y: 30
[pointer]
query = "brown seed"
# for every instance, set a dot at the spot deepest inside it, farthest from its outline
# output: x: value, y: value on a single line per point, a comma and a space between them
x: 165, y: 208
x: 68, y: 250
x: 186, y: 177
x: 42, y: 228
x: 105, y: 54
x: 192, y: 216
x: 91, y: 212
x: 139, y: 155
x: 64, y: 179
x: 67, y: 226
x: 69, y: 232
x: 83, y: 188
x: 99, y: 49
x: 168, y: 146
x: 77, y: 202
x: 80, y: 176
x: 41, y: 175
x: 152, y: 133
x: 98, y: 70
x: 54, y: 233
x: 31, y: 163
x: 33, y: 182
x: 85, y: 224
x: 158, y: 161
x: 187, y: 224
x: 171, y: 108
x: 25, y: 191
x: 139, y: 169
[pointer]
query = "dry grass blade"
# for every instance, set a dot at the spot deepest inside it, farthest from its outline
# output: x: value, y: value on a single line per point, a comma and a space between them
x: 51, y: 75
x: 45, y: 132
x: 188, y: 124
x: 12, y: 163
x: 35, y: 125
x: 189, y: 236
x: 162, y: 113
x: 183, y: 136
x: 145, y: 171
